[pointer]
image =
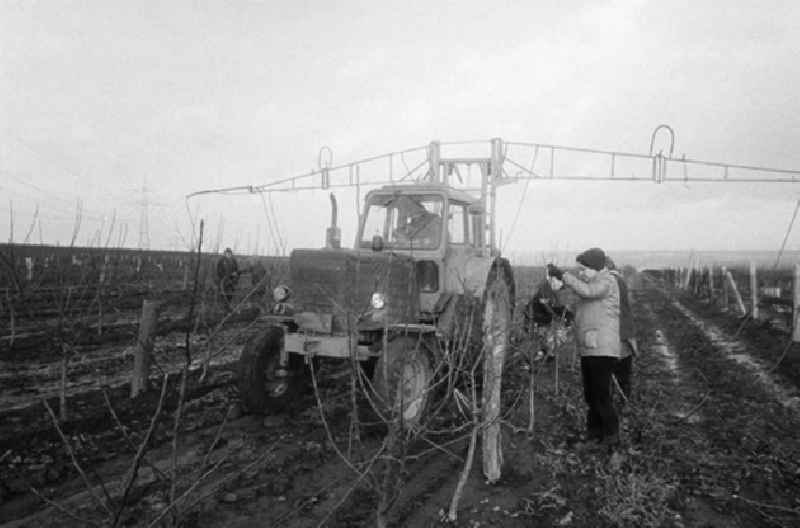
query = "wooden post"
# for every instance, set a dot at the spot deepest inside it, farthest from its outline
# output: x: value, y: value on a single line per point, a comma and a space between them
x: 144, y: 348
x: 185, y: 276
x: 753, y: 291
x: 736, y: 296
x: 796, y: 312
x: 724, y: 289
x: 711, y: 293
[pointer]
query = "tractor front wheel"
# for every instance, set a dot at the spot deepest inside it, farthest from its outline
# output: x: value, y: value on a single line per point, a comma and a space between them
x: 264, y: 386
x: 402, y: 380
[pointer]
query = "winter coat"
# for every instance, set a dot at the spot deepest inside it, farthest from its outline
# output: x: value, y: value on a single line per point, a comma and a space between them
x: 627, y: 328
x: 596, y: 314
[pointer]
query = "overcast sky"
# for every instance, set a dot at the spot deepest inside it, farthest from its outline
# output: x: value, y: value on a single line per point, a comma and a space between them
x: 118, y: 103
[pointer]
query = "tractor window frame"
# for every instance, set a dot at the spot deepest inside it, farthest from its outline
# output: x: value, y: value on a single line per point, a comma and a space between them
x: 466, y: 231
x: 431, y: 204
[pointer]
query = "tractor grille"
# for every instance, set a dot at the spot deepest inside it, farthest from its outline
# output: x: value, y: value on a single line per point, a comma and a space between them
x: 341, y: 283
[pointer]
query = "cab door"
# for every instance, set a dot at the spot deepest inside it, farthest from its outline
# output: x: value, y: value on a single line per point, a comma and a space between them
x: 463, y: 246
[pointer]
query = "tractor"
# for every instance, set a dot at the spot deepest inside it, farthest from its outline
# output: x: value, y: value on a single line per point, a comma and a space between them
x: 425, y: 254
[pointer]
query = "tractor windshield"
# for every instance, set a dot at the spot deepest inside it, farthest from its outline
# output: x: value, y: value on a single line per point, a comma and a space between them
x: 403, y: 221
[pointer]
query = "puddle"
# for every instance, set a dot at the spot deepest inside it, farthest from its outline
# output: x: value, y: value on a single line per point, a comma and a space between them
x: 736, y: 351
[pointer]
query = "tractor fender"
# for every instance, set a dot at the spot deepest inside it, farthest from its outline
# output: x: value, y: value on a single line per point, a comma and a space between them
x: 468, y: 277
x: 453, y: 306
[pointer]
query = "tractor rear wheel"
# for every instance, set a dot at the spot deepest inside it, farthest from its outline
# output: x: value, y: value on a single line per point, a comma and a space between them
x: 264, y: 387
x: 402, y: 380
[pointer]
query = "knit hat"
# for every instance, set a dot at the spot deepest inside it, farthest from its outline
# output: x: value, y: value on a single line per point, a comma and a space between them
x: 594, y: 258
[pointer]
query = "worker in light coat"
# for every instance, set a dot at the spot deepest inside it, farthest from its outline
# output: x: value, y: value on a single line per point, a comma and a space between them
x: 597, y: 338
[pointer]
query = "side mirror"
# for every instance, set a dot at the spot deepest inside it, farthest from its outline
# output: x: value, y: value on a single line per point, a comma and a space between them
x: 377, y: 243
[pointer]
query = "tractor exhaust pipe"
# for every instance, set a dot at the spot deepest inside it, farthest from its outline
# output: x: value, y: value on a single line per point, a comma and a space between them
x: 333, y: 235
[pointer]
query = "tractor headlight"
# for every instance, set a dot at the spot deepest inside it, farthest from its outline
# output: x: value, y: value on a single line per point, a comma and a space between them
x: 378, y: 300
x: 281, y: 293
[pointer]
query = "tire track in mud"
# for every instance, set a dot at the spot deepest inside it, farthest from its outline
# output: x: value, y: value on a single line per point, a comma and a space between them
x: 737, y: 351
x: 744, y: 450
x: 682, y: 384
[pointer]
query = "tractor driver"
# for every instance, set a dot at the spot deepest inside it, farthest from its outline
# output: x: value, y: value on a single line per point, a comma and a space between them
x: 421, y: 228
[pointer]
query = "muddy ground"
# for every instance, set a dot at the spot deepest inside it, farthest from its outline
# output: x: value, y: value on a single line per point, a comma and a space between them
x: 709, y: 439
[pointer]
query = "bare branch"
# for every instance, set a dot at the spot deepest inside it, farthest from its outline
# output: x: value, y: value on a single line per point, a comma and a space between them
x: 216, y: 437
x: 354, y: 486
x: 204, y: 476
x: 134, y: 470
x: 185, y: 371
x: 76, y: 228
x: 128, y: 438
x: 111, y: 229
x: 71, y: 453
x: 325, y: 423
x: 33, y: 224
x: 62, y: 509
x: 10, y: 221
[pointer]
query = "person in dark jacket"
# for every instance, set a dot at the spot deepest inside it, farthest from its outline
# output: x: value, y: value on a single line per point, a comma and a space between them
x: 627, y: 333
x: 545, y: 317
x: 227, y: 276
x: 597, y: 337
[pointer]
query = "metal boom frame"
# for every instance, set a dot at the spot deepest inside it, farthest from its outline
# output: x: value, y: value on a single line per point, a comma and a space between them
x: 433, y: 168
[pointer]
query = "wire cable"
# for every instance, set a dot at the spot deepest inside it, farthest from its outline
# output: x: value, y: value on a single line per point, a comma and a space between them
x: 521, y: 201
x: 786, y: 236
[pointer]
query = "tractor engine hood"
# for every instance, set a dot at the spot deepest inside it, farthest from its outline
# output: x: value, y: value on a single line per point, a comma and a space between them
x: 336, y: 287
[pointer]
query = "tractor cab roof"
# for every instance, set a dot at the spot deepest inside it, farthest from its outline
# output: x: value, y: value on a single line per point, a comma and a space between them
x: 451, y: 193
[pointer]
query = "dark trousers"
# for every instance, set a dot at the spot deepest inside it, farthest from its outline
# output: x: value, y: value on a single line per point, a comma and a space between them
x: 622, y: 371
x: 601, y: 419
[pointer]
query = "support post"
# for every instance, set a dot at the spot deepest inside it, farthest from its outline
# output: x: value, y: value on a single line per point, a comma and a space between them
x: 736, y: 295
x: 185, y: 275
x: 724, y: 289
x: 753, y: 291
x: 144, y: 347
x: 796, y: 311
x: 495, y: 174
x: 435, y: 161
x: 712, y: 295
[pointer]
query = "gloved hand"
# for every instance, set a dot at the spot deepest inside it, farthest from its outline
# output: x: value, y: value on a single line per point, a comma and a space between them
x: 555, y: 271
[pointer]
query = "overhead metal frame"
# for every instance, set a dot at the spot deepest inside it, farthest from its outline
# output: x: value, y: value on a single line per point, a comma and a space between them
x: 433, y: 167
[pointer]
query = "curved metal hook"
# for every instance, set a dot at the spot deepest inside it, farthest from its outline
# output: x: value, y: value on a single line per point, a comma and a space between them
x: 671, y: 138
x: 328, y: 162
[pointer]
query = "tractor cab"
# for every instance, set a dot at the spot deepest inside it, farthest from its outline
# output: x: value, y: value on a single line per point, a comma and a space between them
x: 437, y: 226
